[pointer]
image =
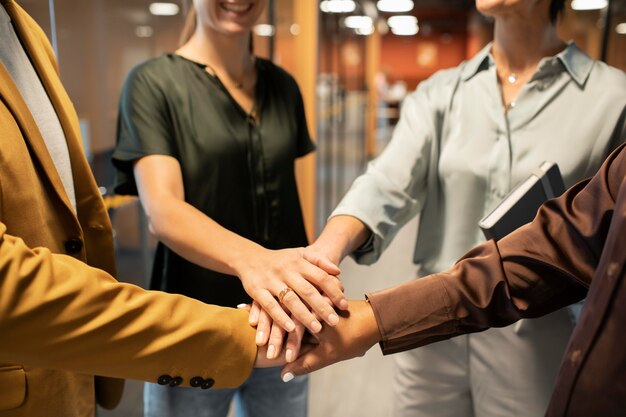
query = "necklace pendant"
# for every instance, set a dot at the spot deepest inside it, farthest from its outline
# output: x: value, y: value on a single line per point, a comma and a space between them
x: 512, y: 78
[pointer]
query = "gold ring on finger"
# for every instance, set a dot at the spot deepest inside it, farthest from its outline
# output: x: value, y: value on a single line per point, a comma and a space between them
x: 283, y: 293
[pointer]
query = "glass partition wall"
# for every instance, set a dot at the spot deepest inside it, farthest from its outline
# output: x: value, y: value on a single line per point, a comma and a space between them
x: 342, y: 105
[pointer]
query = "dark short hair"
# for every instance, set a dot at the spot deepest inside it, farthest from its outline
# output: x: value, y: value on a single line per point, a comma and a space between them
x: 556, y: 7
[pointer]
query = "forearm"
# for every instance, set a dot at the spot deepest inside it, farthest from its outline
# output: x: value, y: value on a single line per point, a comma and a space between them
x: 477, y: 293
x: 264, y: 273
x: 199, y: 239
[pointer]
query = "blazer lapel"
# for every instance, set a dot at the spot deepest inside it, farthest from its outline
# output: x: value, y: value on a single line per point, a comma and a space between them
x: 11, y: 95
x: 48, y: 75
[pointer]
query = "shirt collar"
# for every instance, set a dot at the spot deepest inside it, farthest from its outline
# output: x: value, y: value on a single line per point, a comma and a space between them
x: 577, y: 64
x: 479, y: 62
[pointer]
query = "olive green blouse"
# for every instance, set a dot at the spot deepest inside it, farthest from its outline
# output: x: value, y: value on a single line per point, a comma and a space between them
x: 237, y: 170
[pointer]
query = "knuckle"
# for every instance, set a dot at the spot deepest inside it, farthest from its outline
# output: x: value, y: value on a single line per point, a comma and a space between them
x: 332, y: 284
x: 305, y: 316
x: 308, y: 291
x: 268, y: 304
x: 325, y: 279
x: 264, y: 324
x: 307, y: 367
x: 326, y: 310
x: 275, y: 311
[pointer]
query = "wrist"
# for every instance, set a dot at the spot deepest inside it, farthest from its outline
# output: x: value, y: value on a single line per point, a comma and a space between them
x: 244, y: 260
x: 343, y: 235
x: 369, y: 334
x: 330, y: 250
x: 372, y: 332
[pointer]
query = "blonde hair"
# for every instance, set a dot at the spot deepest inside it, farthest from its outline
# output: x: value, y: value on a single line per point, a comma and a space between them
x: 190, y: 26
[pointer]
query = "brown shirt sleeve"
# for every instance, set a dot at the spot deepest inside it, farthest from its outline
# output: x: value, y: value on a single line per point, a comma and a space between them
x: 535, y: 270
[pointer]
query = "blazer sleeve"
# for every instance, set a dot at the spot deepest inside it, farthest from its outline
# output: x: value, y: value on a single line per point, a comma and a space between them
x: 535, y: 270
x: 58, y: 313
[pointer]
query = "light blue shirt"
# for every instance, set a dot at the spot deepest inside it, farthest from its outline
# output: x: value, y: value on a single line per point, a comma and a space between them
x: 456, y: 153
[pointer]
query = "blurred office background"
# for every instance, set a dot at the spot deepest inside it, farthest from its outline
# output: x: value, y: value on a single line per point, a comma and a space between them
x: 354, y: 62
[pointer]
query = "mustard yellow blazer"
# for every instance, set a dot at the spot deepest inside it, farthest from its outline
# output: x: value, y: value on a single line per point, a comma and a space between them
x: 63, y: 318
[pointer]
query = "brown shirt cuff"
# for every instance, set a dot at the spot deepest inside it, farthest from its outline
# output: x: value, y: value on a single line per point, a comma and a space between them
x: 412, y: 314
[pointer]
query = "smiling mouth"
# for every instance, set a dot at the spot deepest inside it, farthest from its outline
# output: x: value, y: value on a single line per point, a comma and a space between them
x: 236, y: 7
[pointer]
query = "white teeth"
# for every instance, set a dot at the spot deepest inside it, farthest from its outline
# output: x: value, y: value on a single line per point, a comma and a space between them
x: 236, y: 7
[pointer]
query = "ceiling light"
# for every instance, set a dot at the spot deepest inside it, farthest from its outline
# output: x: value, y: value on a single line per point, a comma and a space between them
x: 264, y: 29
x: 395, y: 6
x: 589, y: 4
x: 403, y: 25
x: 405, y: 31
x: 621, y: 28
x: 357, y: 22
x: 337, y: 6
x: 402, y: 21
x: 164, y: 9
x: 144, y: 31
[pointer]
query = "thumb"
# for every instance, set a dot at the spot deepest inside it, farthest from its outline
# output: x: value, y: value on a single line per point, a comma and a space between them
x: 309, y: 361
x: 322, y: 262
x: 328, y: 266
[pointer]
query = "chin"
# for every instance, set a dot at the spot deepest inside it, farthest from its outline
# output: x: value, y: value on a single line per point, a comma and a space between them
x: 235, y: 29
x: 492, y: 7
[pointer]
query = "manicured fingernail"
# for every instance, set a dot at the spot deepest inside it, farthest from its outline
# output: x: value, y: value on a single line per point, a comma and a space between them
x: 253, y: 318
x: 260, y: 336
x: 288, y: 377
x: 271, y: 350
x: 343, y: 304
x: 290, y: 326
x: 289, y: 356
x: 244, y: 305
x: 316, y: 327
x: 333, y: 319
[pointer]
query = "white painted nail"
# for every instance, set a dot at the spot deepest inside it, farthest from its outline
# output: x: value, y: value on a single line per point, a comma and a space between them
x: 288, y: 377
x: 270, y: 352
x: 289, y: 355
x: 260, y: 336
x: 243, y: 305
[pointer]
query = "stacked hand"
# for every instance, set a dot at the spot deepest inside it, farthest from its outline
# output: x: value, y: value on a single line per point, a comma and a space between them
x: 344, y: 337
x: 354, y: 335
x: 294, y: 290
x: 299, y: 282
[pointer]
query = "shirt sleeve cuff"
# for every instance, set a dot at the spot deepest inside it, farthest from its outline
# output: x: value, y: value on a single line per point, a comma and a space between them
x: 412, y: 314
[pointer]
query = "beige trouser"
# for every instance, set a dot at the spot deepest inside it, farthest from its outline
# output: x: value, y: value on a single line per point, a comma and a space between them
x: 506, y: 372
